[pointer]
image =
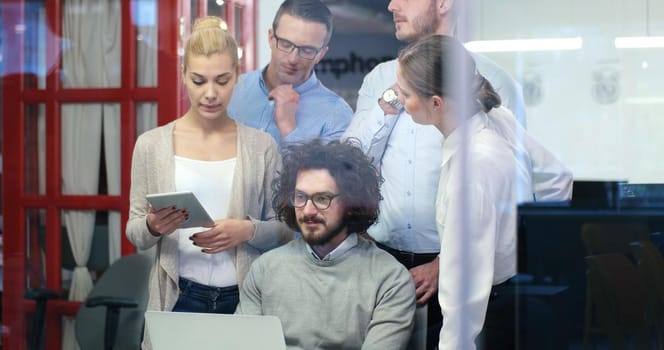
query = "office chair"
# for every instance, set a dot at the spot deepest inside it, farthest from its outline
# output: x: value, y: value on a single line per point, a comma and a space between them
x: 618, y: 307
x: 613, y: 237
x: 122, y: 291
x: 651, y: 266
x: 606, y: 238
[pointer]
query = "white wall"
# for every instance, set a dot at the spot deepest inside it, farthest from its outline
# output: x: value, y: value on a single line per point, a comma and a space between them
x: 598, y: 140
x: 265, y: 10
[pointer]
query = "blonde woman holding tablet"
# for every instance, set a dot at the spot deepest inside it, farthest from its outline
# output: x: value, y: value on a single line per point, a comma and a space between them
x: 229, y: 167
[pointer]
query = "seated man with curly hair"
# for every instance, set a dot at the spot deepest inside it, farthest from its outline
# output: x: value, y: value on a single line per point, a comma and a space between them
x: 331, y: 288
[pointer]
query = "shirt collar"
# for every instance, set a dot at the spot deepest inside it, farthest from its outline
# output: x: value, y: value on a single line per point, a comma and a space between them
x: 261, y: 80
x: 346, y: 245
x: 467, y: 129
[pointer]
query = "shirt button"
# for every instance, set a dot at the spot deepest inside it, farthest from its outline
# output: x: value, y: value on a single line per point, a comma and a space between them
x: 409, y: 226
x: 408, y: 193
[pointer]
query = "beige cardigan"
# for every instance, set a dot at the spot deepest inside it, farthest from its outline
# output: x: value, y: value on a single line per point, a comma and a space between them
x: 152, y: 171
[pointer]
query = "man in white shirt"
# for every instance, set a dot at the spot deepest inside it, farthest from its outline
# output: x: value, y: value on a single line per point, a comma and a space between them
x: 407, y: 153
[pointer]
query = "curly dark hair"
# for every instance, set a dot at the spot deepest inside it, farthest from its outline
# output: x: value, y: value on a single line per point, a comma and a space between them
x: 357, y: 179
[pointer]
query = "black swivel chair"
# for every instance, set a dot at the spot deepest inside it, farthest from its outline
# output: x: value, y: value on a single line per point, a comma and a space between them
x: 651, y: 265
x: 618, y: 302
x: 602, y: 238
x: 112, y: 316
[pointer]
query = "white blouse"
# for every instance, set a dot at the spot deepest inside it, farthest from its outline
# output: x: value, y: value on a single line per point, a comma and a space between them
x: 481, y: 182
x: 211, y: 182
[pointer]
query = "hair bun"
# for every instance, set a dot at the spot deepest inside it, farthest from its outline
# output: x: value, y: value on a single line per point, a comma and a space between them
x: 209, y: 22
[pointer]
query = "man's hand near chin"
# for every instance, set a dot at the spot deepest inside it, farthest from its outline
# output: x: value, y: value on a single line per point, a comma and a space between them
x: 285, y: 106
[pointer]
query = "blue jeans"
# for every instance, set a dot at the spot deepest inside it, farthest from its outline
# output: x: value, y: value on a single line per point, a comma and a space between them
x: 196, y: 297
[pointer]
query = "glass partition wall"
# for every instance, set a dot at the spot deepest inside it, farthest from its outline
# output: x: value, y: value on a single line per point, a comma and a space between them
x: 74, y: 100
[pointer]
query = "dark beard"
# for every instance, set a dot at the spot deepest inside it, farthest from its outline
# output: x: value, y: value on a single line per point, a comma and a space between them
x: 427, y: 23
x: 325, y: 238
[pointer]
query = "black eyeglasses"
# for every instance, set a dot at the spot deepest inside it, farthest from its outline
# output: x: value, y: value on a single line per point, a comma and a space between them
x: 306, y: 52
x: 321, y: 201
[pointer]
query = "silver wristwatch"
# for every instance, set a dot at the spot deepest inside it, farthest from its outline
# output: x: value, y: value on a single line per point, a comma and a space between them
x: 390, y: 97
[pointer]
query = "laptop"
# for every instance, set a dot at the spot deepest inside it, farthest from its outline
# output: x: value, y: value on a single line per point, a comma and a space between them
x: 200, y: 331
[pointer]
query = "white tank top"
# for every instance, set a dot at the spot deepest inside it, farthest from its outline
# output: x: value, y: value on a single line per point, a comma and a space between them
x: 211, y: 182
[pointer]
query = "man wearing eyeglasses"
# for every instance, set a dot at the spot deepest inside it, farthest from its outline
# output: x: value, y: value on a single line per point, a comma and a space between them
x: 331, y: 289
x: 286, y: 99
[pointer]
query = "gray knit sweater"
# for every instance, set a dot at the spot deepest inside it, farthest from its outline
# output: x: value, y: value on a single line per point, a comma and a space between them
x: 364, y: 299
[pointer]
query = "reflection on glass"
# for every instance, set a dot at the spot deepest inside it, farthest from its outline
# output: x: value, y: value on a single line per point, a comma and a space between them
x: 144, y: 13
x: 81, y: 147
x: 114, y: 234
x: 35, y: 150
x: 216, y: 8
x: 31, y: 33
x: 146, y: 117
x: 238, y: 17
x: 91, y: 44
x: 35, y: 226
x: 194, y: 8
x: 109, y: 182
x: 36, y: 32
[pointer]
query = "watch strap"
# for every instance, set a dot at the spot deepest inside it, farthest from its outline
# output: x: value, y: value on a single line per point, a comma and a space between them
x: 396, y: 104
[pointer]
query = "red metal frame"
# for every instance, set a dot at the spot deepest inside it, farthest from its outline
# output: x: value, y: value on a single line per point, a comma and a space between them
x: 247, y: 22
x: 248, y: 25
x: 16, y: 202
x: 249, y: 28
x: 19, y: 91
x: 12, y: 182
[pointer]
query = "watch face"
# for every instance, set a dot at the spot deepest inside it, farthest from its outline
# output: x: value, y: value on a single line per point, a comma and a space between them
x: 389, y: 95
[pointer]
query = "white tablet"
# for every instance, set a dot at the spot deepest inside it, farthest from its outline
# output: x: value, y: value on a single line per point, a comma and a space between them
x: 182, y: 200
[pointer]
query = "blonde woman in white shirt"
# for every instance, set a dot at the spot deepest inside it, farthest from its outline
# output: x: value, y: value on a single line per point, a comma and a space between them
x: 228, y: 166
x: 483, y: 176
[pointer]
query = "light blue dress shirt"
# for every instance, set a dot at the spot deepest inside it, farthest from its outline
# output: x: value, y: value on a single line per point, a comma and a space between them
x: 320, y: 112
